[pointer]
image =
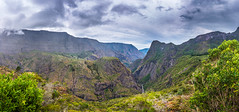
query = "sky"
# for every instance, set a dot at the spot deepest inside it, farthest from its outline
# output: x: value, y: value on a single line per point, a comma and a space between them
x: 136, y: 22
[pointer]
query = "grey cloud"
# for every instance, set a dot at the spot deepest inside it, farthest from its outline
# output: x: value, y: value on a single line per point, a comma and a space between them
x: 186, y: 17
x: 169, y: 9
x: 207, y: 2
x: 160, y: 8
x: 21, y: 17
x: 211, y: 13
x: 143, y: 7
x: 194, y: 11
x: 189, y: 15
x: 53, y: 10
x: 92, y: 17
x: 45, y: 18
x: 71, y: 3
x: 204, y: 7
x: 124, y: 9
x: 13, y: 6
x: 56, y: 5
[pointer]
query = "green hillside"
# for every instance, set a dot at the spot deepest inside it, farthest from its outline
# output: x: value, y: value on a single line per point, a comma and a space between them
x: 105, y: 78
x: 167, y: 65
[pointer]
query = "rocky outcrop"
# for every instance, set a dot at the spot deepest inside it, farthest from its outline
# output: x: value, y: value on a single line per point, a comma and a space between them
x: 149, y: 68
x: 12, y: 41
x: 159, y: 58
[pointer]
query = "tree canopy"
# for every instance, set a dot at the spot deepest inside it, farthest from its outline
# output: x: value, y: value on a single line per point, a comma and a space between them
x: 217, y: 81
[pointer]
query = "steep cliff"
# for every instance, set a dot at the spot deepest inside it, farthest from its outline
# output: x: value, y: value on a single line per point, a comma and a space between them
x: 160, y: 55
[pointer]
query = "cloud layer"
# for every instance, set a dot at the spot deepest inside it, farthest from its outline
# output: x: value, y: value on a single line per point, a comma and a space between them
x: 137, y: 22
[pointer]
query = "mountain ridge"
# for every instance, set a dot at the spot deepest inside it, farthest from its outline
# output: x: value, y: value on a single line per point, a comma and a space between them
x: 27, y: 40
x: 163, y: 58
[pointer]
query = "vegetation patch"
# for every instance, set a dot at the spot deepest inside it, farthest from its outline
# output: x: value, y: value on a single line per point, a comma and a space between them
x: 20, y: 93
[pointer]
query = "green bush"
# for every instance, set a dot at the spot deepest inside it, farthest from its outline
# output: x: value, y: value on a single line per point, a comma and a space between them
x: 20, y: 94
x: 216, y: 83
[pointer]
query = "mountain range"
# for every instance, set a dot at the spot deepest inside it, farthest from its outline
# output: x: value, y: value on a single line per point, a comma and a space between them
x: 17, y: 41
x: 87, y: 69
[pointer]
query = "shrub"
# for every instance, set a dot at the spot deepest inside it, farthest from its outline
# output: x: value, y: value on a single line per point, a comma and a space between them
x: 20, y: 94
x: 216, y: 83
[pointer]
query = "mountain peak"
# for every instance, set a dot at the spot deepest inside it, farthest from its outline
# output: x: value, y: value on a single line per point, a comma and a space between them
x: 237, y: 30
x: 156, y: 42
x: 208, y: 36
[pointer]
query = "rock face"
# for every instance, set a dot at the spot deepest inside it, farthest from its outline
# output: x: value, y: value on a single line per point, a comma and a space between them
x: 150, y: 64
x: 103, y: 79
x: 163, y: 59
x: 12, y: 41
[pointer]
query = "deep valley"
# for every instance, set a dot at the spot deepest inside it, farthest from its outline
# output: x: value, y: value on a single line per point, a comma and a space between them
x: 95, y: 77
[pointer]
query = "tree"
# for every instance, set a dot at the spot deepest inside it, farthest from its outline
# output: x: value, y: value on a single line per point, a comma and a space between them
x: 217, y: 81
x: 18, y: 69
x: 20, y: 94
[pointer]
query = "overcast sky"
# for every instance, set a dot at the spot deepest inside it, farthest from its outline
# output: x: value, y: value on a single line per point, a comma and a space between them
x: 136, y: 22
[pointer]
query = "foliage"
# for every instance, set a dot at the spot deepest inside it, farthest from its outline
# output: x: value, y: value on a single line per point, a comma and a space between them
x: 83, y: 55
x: 55, y: 94
x: 165, y: 100
x: 68, y: 102
x: 216, y: 83
x: 20, y: 94
x: 149, y: 102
